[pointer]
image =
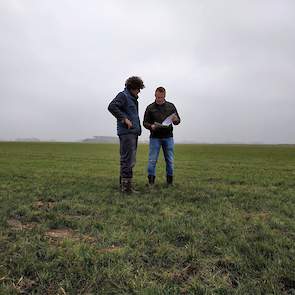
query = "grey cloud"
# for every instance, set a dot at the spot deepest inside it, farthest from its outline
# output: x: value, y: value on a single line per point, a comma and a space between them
x: 227, y: 65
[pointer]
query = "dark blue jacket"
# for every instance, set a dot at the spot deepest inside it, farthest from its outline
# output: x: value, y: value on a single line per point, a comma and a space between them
x: 125, y: 105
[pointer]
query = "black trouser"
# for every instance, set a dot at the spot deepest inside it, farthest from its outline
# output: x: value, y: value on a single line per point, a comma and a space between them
x: 128, y: 147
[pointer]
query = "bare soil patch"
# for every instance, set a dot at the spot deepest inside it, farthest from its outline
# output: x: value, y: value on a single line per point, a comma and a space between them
x: 67, y: 233
x: 24, y: 285
x: 15, y: 224
x: 44, y: 204
x: 60, y: 233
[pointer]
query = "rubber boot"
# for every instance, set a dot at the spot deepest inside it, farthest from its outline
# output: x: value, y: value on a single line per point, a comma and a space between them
x: 125, y: 186
x: 151, y: 179
x: 169, y: 180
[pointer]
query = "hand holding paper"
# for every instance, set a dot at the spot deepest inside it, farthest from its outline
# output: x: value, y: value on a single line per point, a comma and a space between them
x: 169, y: 120
x: 175, y: 119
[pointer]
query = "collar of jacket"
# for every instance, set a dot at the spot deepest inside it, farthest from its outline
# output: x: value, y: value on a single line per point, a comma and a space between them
x: 160, y: 105
x: 127, y: 92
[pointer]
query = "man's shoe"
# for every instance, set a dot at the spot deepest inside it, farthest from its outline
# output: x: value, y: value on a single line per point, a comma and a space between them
x: 151, y: 179
x: 169, y: 180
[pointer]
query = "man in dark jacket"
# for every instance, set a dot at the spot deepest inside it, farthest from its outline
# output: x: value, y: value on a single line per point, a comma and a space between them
x: 161, y: 133
x: 124, y: 108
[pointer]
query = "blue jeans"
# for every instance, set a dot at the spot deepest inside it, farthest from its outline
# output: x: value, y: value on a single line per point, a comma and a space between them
x: 167, y: 145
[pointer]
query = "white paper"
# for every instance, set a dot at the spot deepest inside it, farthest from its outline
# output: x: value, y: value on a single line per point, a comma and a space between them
x: 168, y: 120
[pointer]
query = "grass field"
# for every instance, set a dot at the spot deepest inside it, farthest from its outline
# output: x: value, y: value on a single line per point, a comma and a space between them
x: 226, y: 227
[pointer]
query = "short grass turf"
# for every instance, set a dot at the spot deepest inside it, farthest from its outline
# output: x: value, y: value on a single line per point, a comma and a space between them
x: 227, y: 226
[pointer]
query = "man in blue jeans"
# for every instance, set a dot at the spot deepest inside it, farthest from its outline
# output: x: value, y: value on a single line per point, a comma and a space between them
x: 124, y: 107
x: 161, y: 134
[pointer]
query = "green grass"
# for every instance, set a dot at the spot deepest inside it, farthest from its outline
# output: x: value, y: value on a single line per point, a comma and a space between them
x: 226, y: 227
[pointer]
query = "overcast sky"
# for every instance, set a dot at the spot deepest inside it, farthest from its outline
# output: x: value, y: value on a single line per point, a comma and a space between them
x: 228, y: 66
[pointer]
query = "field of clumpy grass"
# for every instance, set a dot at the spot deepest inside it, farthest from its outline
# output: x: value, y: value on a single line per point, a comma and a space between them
x: 226, y: 227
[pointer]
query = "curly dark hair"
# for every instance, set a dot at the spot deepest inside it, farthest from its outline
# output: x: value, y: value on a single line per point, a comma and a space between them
x: 134, y: 82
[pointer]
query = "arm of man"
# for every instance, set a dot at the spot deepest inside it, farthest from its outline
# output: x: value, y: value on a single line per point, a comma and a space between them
x: 147, y: 120
x: 176, y: 118
x: 116, y: 105
x: 115, y: 108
